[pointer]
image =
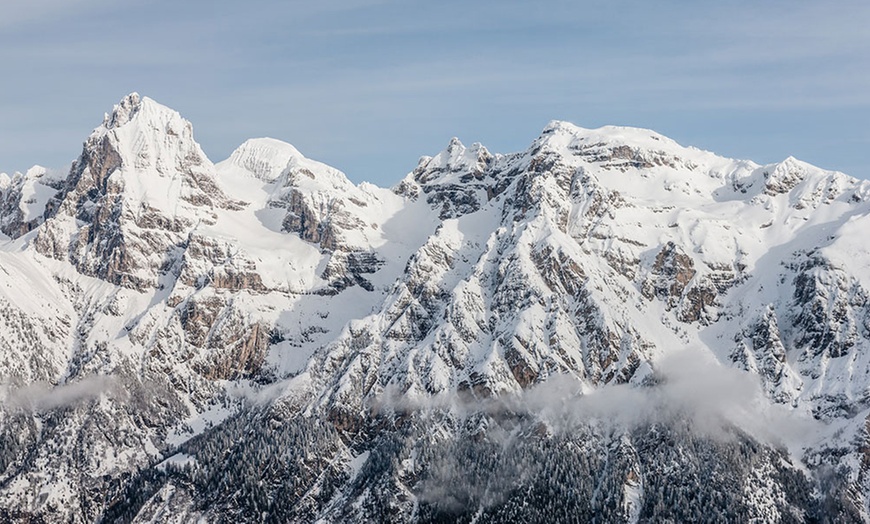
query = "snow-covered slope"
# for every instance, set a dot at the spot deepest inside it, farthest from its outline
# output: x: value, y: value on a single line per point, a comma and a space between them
x: 263, y: 339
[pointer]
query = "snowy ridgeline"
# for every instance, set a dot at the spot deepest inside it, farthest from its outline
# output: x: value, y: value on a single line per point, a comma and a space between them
x: 607, y: 325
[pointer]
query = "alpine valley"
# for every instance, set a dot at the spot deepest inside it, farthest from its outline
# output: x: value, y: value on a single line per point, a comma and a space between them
x: 605, y: 327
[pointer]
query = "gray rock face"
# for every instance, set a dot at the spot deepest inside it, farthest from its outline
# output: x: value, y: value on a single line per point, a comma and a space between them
x: 498, y: 338
x: 457, y: 181
x: 107, y: 224
x: 760, y: 349
x: 675, y: 284
x: 27, y: 200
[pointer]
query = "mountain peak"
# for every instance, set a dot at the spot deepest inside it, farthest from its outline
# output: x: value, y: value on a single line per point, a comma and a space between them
x: 788, y: 174
x: 131, y: 106
x: 457, y: 157
x: 555, y: 126
x: 124, y: 111
x: 587, y: 295
x: 147, y: 134
x: 151, y: 116
x: 263, y: 158
x: 140, y: 171
x: 638, y: 137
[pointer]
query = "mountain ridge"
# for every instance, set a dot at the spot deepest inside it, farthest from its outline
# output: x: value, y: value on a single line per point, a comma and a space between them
x: 176, y: 306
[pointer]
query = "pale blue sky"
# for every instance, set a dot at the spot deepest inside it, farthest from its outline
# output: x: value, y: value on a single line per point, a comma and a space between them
x: 370, y: 85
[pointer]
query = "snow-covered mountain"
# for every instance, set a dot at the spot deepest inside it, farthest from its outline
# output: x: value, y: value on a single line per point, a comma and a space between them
x: 606, y: 326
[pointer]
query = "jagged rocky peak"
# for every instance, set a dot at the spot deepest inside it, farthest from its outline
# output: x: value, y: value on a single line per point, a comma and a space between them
x: 145, y: 112
x: 140, y: 183
x: 785, y: 176
x: 808, y: 187
x: 150, y: 136
x: 291, y: 323
x: 456, y: 158
x: 458, y: 180
x: 323, y: 206
x: 124, y: 111
x: 148, y: 152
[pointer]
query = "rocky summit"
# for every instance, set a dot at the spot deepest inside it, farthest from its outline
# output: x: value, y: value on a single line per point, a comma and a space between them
x: 605, y: 327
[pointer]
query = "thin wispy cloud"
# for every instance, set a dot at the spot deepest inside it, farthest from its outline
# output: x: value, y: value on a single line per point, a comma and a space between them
x: 28, y: 12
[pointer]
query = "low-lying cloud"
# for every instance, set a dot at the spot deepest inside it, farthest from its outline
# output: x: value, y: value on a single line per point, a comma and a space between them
x: 686, y: 385
x: 42, y: 396
x: 688, y: 389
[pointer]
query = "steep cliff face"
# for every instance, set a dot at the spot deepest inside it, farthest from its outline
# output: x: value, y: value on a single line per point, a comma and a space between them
x: 139, y: 187
x: 456, y: 181
x: 263, y: 339
x: 27, y: 199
